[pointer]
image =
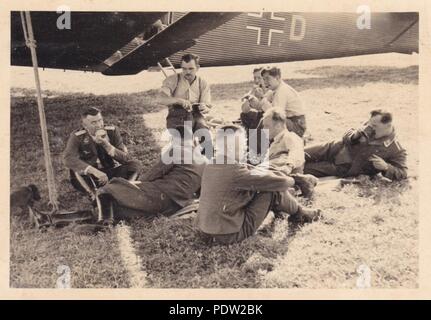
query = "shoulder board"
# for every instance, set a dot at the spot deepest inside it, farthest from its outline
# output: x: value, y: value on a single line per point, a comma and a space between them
x: 110, y: 127
x: 80, y: 132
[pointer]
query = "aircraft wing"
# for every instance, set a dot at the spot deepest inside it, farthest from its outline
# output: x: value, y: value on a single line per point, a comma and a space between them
x: 122, y: 43
x: 178, y: 36
x: 90, y: 40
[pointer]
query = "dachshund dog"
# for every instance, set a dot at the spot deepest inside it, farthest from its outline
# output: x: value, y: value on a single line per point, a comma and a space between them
x: 24, y: 197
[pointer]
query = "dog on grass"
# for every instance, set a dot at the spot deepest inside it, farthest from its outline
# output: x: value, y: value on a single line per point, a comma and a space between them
x: 23, y: 198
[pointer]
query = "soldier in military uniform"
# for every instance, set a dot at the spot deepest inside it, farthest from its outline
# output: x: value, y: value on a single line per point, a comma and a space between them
x: 369, y: 150
x: 96, y: 153
x: 168, y: 186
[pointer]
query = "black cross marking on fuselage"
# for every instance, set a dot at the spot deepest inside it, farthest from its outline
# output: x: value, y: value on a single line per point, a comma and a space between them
x: 265, y: 25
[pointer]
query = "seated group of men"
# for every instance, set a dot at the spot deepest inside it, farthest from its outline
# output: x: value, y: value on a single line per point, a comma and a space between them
x: 235, y: 194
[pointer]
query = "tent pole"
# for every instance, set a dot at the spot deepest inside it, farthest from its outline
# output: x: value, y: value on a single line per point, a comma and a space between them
x: 31, y: 43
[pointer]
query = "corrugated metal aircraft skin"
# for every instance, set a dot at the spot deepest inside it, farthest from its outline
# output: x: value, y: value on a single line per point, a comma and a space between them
x: 177, y: 36
x: 248, y: 38
x: 276, y: 37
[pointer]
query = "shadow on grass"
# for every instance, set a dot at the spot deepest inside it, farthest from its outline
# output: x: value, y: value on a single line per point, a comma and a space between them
x: 175, y: 256
x: 63, y: 117
x: 94, y: 261
x: 171, y: 252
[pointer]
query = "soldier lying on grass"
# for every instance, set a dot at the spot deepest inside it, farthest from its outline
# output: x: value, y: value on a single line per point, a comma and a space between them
x: 169, y: 185
x: 369, y: 150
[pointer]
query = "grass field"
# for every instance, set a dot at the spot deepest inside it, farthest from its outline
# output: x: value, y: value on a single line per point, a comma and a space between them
x: 374, y: 224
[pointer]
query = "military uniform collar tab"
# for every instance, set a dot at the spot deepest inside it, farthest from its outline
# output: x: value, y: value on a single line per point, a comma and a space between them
x: 389, y: 139
x: 386, y: 141
x: 80, y: 132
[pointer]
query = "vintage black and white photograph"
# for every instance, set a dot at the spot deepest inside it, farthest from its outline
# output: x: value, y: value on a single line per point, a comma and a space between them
x: 214, y: 149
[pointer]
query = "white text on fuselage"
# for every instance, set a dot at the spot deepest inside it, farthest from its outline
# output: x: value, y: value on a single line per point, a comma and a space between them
x: 265, y: 25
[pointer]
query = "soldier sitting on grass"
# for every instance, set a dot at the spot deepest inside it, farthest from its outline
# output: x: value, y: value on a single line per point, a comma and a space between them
x: 188, y: 97
x: 281, y: 95
x: 235, y: 199
x: 251, y: 114
x: 96, y: 153
x: 286, y: 151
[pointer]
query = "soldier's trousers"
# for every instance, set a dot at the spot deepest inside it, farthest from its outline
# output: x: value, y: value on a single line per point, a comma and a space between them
x: 319, y: 161
x: 177, y: 115
x: 296, y: 124
x: 255, y: 214
x: 142, y: 200
x: 252, y: 120
x: 125, y: 171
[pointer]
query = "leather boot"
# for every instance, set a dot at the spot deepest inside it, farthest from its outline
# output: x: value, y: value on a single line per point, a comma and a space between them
x: 305, y: 182
x: 306, y: 215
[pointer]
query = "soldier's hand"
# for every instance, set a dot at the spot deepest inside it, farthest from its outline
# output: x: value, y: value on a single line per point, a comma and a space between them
x: 258, y: 92
x: 110, y: 149
x: 204, y: 108
x: 100, y: 176
x: 245, y: 107
x: 351, y: 135
x: 102, y: 137
x: 263, y: 105
x: 378, y: 163
x: 254, y: 102
x: 186, y: 104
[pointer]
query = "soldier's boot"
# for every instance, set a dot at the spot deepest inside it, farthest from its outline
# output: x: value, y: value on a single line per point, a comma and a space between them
x: 133, y: 176
x: 106, y: 213
x: 306, y: 183
x: 109, y: 219
x: 306, y: 215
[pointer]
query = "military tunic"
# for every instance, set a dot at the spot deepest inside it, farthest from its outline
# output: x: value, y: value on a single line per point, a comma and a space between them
x: 350, y: 158
x: 82, y: 152
x: 164, y: 189
x: 234, y: 201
